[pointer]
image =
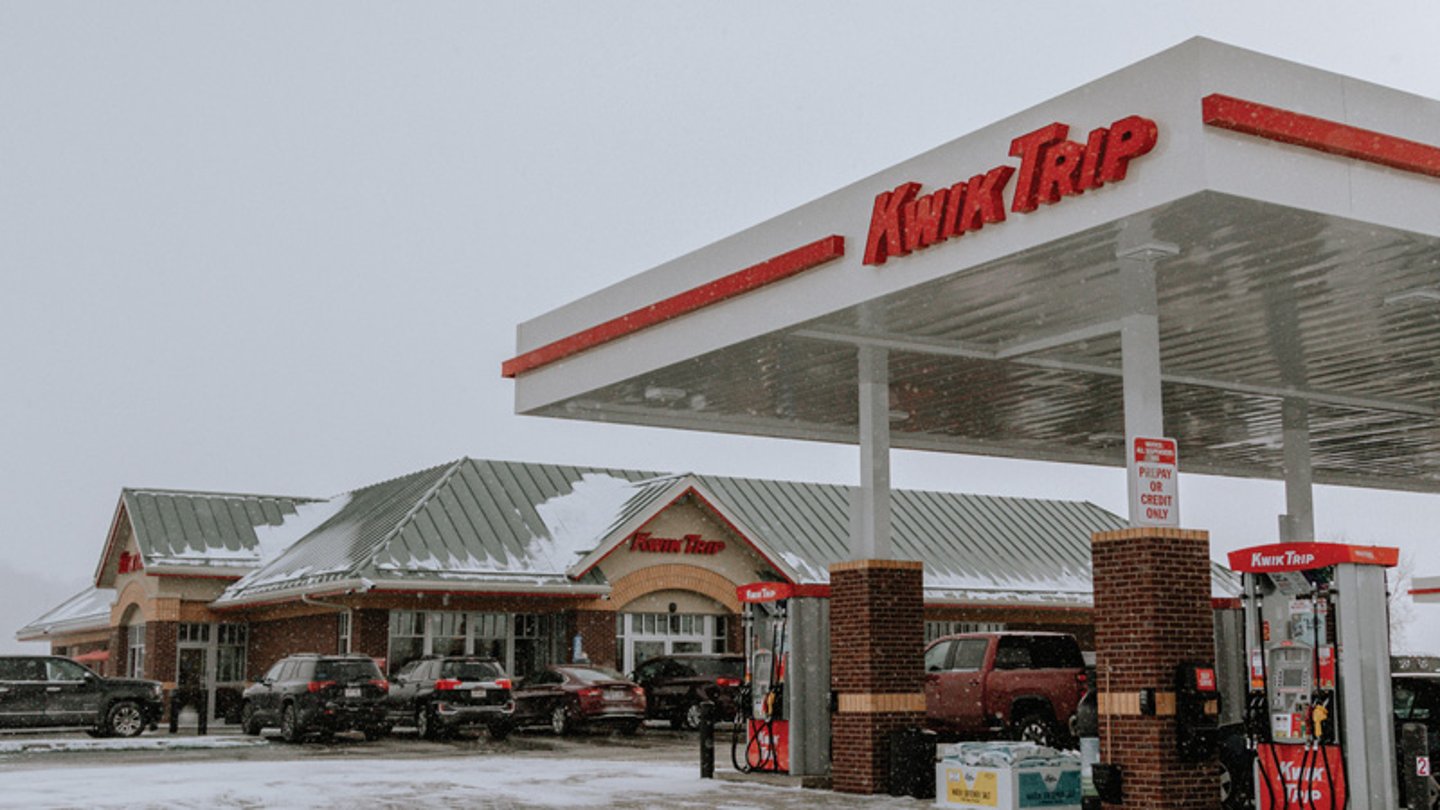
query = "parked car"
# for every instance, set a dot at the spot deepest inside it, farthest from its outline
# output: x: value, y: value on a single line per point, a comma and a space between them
x: 675, y: 685
x: 439, y: 695
x: 568, y: 696
x: 318, y: 694
x: 47, y: 691
x: 1023, y: 685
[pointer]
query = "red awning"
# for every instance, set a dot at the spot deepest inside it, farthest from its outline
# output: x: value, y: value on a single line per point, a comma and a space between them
x: 94, y: 656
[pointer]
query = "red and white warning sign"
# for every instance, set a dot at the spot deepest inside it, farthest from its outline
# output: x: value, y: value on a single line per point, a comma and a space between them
x: 1156, y: 487
x: 1422, y: 766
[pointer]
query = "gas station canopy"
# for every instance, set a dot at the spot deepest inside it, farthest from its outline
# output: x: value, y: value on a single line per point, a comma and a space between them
x: 1280, y: 223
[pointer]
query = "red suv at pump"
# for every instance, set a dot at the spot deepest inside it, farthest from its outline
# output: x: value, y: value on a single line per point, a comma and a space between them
x: 1023, y: 685
x: 572, y: 695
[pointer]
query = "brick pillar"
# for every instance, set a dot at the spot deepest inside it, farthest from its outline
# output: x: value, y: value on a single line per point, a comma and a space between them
x: 119, y: 648
x: 877, y: 641
x: 597, y: 636
x: 1152, y: 611
x: 370, y: 632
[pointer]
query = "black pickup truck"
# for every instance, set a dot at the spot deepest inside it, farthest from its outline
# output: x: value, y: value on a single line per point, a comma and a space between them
x: 47, y: 691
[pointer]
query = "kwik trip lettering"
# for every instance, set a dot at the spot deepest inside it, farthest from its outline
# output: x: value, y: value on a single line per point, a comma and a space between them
x: 689, y: 544
x: 1051, y: 168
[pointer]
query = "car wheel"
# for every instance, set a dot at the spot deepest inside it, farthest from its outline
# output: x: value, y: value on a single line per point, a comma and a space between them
x: 693, y: 716
x: 425, y: 725
x: 249, y: 722
x: 290, y: 730
x: 498, y: 731
x: 125, y: 719
x: 1037, y: 728
x: 560, y: 721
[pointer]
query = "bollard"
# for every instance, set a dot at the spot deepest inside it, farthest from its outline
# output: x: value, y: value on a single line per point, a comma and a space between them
x: 707, y: 739
x: 199, y: 698
x: 1414, y: 756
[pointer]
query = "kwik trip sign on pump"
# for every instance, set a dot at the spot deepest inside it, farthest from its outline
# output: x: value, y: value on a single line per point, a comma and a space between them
x: 1051, y: 169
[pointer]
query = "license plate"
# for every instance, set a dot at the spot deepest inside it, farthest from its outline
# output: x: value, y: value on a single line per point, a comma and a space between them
x: 478, y: 694
x: 353, y: 691
x: 617, y: 696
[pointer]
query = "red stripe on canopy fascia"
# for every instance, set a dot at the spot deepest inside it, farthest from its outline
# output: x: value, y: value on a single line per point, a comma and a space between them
x: 1310, y: 132
x: 741, y: 281
x: 1423, y: 591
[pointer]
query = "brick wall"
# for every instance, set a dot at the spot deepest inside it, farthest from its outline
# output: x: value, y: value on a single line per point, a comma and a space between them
x: 370, y: 632
x: 597, y: 635
x: 270, y: 641
x: 160, y: 651
x: 1152, y: 611
x: 877, y: 636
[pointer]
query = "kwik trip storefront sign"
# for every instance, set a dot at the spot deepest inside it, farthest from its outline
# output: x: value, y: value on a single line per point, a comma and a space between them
x: 1051, y: 169
x: 689, y: 544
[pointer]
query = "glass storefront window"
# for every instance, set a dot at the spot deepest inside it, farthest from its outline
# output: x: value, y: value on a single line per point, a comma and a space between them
x: 524, y: 643
x: 135, y: 652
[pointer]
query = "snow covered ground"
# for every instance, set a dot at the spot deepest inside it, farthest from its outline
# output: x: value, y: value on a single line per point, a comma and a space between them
x: 468, y: 781
x: 29, y: 745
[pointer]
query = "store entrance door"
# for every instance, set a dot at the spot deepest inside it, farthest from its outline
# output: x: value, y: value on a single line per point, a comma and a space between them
x: 647, y: 635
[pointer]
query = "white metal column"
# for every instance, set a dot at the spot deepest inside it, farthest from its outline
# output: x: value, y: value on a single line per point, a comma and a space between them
x: 1140, y: 356
x: 870, y: 512
x: 1366, y: 702
x: 1298, y: 522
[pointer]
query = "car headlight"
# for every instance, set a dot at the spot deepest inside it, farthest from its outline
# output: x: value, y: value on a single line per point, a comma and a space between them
x: 157, y: 691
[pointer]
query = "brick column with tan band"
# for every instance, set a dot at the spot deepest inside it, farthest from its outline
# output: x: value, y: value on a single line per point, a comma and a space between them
x: 877, y: 640
x: 1152, y: 611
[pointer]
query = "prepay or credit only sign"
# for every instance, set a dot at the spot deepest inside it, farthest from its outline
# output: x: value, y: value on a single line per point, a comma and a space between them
x: 1156, y: 490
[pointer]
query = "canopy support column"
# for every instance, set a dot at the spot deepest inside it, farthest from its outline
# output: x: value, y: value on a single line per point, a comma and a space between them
x: 1140, y: 359
x: 1298, y: 522
x: 870, y: 512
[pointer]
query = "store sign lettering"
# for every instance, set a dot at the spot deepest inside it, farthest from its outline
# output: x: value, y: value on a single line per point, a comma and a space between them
x: 1051, y: 168
x: 689, y: 544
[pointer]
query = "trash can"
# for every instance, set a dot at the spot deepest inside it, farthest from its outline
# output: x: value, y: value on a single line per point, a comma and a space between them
x: 912, y: 757
x: 1007, y: 776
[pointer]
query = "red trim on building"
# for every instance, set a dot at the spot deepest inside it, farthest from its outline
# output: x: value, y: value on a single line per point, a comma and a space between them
x: 741, y: 281
x: 1310, y: 132
x: 1226, y: 603
x: 1423, y: 591
x: 718, y: 515
x: 177, y: 574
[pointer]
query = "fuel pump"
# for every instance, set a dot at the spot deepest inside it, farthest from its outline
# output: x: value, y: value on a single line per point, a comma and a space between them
x: 1317, y: 708
x: 785, y: 705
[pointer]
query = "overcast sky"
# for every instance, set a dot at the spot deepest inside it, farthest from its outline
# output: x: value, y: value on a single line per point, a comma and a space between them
x: 283, y: 247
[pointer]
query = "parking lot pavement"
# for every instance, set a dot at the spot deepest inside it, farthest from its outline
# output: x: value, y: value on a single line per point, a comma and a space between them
x: 657, y: 768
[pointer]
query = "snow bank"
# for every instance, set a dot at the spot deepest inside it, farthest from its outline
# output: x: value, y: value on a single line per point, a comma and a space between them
x: 49, y: 746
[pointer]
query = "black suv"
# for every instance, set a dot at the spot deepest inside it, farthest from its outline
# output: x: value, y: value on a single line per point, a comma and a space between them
x: 318, y: 694
x: 441, y: 694
x: 45, y: 691
x: 676, y: 684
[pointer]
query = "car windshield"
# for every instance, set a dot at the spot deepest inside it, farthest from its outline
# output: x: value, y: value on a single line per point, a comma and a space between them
x: 471, y: 670
x: 717, y: 667
x: 594, y: 674
x: 346, y: 671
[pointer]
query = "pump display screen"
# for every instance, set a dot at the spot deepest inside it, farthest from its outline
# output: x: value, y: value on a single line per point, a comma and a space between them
x: 1292, y: 678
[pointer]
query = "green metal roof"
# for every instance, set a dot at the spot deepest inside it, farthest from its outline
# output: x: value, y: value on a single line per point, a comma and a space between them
x: 527, y: 525
x: 181, y: 528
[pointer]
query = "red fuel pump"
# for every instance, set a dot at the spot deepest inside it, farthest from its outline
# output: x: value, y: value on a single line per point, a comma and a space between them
x: 785, y: 706
x: 1317, y: 710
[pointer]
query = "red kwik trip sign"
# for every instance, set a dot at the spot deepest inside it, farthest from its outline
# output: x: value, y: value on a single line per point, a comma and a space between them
x: 1295, y: 776
x: 689, y: 544
x: 1051, y: 169
x: 1280, y: 557
x: 775, y: 591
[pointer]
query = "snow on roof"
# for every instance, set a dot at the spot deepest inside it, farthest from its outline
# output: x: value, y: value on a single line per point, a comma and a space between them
x: 271, y: 541
x: 90, y: 607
